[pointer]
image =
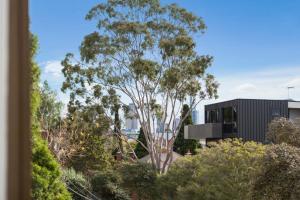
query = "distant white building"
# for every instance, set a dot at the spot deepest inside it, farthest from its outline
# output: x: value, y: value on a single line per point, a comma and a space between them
x: 176, y: 123
x: 195, y: 113
x: 132, y: 122
x: 195, y: 116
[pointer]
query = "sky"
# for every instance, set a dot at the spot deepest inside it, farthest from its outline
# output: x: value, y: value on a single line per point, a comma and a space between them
x: 255, y: 43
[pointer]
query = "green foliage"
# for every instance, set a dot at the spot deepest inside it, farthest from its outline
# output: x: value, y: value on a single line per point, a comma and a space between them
x: 78, y: 185
x: 92, y: 154
x: 50, y: 109
x: 139, y: 178
x: 123, y: 42
x: 282, y: 130
x: 223, y: 172
x: 139, y: 150
x: 146, y: 51
x: 106, y: 185
x: 46, y: 175
x: 181, y: 145
x: 85, y: 127
x: 280, y: 177
x: 89, y: 119
x: 35, y: 78
x: 117, y: 124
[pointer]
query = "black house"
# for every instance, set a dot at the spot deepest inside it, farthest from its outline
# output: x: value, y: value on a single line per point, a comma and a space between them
x: 241, y: 118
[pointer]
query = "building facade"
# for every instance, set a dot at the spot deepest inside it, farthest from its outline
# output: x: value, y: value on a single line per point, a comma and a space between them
x: 131, y: 122
x: 195, y: 116
x: 242, y: 118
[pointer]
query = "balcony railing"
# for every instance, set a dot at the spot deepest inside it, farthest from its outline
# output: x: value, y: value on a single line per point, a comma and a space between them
x: 203, y: 131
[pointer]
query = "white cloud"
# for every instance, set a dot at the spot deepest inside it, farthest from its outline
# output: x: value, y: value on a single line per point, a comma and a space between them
x: 64, y: 98
x: 264, y: 84
x: 246, y: 87
x: 51, y: 72
x: 293, y: 83
x: 53, y: 68
x: 270, y: 83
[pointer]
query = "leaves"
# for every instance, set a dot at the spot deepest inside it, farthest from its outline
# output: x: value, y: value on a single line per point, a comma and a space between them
x: 147, y: 52
x: 46, y: 183
x: 139, y: 150
x: 280, y: 177
x: 282, y: 130
x: 182, y: 145
x: 224, y: 171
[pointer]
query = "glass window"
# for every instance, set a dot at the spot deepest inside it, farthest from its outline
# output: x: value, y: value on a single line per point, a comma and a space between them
x: 227, y: 115
x: 229, y: 120
x: 207, y: 114
x: 212, y: 116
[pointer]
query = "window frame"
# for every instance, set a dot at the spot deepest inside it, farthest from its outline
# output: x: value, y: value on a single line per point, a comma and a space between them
x: 18, y: 132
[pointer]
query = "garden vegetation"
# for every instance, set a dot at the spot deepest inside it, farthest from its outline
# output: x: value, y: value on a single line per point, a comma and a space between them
x: 146, y: 51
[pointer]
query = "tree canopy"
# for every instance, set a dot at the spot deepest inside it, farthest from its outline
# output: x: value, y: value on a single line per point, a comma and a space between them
x: 46, y: 174
x: 145, y: 51
x: 49, y: 112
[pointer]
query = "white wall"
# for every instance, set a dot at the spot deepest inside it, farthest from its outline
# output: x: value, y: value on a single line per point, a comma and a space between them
x: 3, y: 93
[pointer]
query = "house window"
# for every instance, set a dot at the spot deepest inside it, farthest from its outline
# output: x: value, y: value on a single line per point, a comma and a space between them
x: 212, y: 116
x: 207, y: 116
x: 229, y: 120
x: 227, y: 115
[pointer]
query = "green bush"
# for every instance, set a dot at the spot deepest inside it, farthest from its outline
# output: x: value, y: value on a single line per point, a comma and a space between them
x: 92, y: 156
x: 282, y: 130
x: 280, y: 177
x: 78, y: 185
x: 139, y: 150
x: 139, y: 178
x: 106, y: 185
x: 225, y: 171
x: 181, y: 145
x: 46, y: 175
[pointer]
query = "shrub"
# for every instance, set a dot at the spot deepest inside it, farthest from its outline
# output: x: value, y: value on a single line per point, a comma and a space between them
x: 92, y: 154
x: 139, y: 150
x: 46, y: 175
x: 107, y: 186
x: 77, y: 184
x: 181, y: 145
x: 224, y: 171
x: 139, y: 178
x: 282, y: 130
x: 280, y: 177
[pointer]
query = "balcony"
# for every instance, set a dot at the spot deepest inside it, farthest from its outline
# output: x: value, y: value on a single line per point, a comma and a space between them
x: 203, y: 131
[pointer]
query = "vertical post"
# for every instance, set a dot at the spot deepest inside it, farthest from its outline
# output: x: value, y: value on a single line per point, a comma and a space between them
x: 19, y: 147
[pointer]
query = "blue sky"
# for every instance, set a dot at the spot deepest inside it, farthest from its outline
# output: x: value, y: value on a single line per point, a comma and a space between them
x: 255, y: 43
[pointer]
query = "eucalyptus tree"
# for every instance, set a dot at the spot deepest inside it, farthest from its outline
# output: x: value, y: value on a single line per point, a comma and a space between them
x: 146, y: 52
x: 49, y: 112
